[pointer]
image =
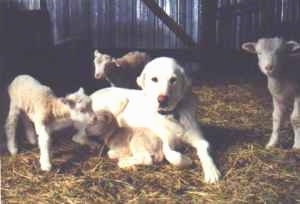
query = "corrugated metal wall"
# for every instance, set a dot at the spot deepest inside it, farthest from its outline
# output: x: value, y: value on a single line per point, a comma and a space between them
x: 130, y: 24
x: 241, y: 20
x: 123, y: 23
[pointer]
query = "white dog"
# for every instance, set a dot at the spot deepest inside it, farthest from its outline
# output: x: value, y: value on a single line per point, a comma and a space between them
x: 166, y: 106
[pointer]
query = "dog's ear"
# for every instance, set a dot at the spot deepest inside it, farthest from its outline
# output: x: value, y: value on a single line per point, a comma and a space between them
x: 186, y: 81
x: 140, y: 80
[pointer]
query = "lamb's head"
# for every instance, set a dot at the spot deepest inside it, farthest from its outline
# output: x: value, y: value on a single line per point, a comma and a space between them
x: 104, y: 125
x: 271, y: 53
x: 104, y: 64
x: 80, y: 107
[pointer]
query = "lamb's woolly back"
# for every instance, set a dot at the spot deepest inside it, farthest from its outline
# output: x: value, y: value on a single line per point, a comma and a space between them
x: 31, y: 96
x: 120, y: 72
x: 133, y: 60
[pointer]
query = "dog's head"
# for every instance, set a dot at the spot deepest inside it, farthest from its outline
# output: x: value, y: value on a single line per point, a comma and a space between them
x: 165, y: 83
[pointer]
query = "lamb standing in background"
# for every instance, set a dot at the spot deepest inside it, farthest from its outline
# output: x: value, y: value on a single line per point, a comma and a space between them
x: 120, y: 72
x: 37, y: 103
x: 130, y: 146
x: 283, y: 74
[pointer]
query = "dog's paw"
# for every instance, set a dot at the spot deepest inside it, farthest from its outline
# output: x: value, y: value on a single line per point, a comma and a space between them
x: 212, y: 175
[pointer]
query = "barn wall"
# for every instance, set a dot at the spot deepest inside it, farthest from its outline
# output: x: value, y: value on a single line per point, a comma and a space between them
x: 242, y: 20
x: 130, y: 24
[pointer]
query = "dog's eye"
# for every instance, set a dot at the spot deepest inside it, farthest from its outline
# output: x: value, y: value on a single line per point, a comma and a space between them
x: 173, y: 80
x: 154, y: 79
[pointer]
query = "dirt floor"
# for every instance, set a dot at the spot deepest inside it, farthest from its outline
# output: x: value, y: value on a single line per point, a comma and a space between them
x: 236, y: 119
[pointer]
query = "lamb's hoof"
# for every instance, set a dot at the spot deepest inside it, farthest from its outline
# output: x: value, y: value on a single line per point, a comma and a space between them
x: 185, y: 162
x: 112, y: 154
x: 270, y: 146
x: 46, y: 167
x: 92, y: 145
x: 212, y: 175
x: 32, y: 140
x: 296, y: 146
x: 13, y: 150
x: 124, y: 165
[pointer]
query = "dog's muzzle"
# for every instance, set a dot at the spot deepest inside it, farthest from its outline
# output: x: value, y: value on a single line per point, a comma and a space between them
x: 163, y: 101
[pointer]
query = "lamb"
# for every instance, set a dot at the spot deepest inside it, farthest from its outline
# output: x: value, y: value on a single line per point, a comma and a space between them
x: 282, y: 69
x: 120, y: 72
x: 36, y: 103
x: 130, y: 146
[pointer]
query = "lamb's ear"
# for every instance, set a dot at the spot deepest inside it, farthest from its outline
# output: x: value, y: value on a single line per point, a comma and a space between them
x: 249, y: 47
x: 97, y: 53
x: 81, y: 91
x: 292, y: 46
x: 140, y: 80
x: 116, y: 62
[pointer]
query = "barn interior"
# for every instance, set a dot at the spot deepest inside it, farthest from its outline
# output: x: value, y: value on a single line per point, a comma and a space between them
x: 54, y: 41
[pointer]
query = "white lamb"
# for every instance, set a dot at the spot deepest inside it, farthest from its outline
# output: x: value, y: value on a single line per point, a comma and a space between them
x: 37, y: 104
x: 130, y: 146
x: 282, y: 69
x: 120, y: 72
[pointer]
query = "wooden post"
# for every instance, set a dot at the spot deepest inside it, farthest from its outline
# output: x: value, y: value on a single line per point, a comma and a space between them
x: 170, y: 23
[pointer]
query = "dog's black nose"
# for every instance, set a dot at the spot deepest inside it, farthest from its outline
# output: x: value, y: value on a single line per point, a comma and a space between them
x: 163, y: 100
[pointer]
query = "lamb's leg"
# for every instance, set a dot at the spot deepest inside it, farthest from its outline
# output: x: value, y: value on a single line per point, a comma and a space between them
x: 295, y: 119
x: 29, y: 129
x: 175, y: 157
x: 10, y: 129
x: 279, y: 114
x: 44, y: 145
x: 167, y: 130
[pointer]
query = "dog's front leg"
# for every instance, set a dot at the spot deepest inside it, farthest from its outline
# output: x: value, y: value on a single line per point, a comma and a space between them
x: 195, y: 138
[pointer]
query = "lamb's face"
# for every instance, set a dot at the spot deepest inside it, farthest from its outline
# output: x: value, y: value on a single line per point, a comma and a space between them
x: 104, y: 64
x: 271, y: 53
x: 80, y: 106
